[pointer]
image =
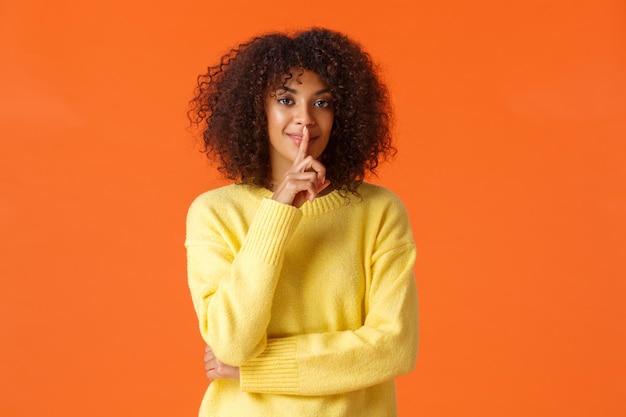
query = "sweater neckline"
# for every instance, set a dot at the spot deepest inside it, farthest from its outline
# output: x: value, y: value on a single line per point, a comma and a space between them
x: 320, y: 205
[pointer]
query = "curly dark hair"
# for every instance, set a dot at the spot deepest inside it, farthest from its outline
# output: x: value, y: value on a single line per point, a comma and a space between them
x: 229, y: 105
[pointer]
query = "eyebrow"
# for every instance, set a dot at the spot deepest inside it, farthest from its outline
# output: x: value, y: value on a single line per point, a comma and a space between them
x: 291, y: 90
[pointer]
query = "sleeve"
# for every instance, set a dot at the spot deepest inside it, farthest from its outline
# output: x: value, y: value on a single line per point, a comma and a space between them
x: 232, y: 290
x: 332, y: 363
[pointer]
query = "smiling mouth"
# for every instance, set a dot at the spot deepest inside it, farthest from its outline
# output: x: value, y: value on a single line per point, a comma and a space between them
x: 298, y: 138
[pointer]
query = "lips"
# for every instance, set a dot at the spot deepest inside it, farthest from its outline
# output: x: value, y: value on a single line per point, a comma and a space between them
x: 297, y: 137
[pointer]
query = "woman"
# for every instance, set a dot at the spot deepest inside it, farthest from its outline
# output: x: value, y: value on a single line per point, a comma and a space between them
x: 301, y: 274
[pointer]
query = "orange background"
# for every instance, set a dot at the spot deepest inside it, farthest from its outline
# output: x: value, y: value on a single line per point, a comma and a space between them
x: 511, y: 135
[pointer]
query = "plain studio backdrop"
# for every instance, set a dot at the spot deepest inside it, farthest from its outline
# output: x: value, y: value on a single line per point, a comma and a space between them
x: 511, y: 130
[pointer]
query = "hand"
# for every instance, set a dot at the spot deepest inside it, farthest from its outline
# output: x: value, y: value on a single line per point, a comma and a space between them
x: 216, y: 369
x: 304, y: 180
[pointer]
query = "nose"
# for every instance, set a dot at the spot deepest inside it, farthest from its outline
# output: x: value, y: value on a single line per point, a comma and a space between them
x: 304, y: 116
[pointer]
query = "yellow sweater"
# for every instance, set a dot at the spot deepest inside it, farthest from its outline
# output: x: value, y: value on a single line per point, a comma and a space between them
x: 316, y: 305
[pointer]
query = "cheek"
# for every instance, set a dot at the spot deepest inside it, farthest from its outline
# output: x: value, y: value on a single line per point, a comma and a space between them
x: 275, y: 121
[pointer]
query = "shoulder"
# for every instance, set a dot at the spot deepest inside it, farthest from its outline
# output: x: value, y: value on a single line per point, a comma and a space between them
x: 221, y: 211
x: 378, y: 196
x: 231, y: 199
x: 232, y: 195
x: 219, y: 193
x: 386, y: 213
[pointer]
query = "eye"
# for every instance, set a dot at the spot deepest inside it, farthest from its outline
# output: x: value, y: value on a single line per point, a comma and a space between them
x: 285, y: 101
x: 325, y: 104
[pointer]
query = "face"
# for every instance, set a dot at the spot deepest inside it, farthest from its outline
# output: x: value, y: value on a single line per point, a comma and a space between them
x: 303, y: 101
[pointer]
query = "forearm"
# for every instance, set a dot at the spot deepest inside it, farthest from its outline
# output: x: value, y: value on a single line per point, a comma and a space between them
x: 335, y: 362
x: 327, y: 364
x: 233, y: 319
x: 233, y: 292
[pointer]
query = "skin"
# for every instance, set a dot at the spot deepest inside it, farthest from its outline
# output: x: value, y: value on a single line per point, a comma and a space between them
x: 215, y: 369
x: 299, y: 121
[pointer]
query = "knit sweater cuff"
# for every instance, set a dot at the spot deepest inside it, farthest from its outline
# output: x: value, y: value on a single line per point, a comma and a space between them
x: 273, y: 224
x: 274, y: 371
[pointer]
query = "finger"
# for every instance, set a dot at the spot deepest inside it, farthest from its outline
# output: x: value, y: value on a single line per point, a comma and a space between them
x: 296, y: 182
x: 213, y: 374
x: 303, y: 149
x: 319, y: 168
x: 310, y: 188
x: 208, y: 356
x: 305, y: 184
x: 309, y: 164
x: 322, y: 186
x: 210, y: 364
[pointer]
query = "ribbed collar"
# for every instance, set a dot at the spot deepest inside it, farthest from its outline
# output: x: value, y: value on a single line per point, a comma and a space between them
x: 319, y: 206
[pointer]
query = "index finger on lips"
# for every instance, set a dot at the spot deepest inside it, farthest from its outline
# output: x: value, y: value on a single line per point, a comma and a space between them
x: 303, y: 149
